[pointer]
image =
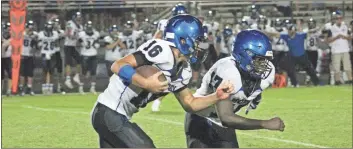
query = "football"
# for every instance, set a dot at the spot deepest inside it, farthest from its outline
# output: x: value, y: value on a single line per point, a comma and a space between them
x: 146, y: 71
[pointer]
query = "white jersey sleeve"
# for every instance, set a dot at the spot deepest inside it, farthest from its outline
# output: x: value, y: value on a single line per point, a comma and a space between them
x: 162, y: 24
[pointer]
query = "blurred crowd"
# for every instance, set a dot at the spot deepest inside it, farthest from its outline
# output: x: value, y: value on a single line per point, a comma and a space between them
x: 63, y: 45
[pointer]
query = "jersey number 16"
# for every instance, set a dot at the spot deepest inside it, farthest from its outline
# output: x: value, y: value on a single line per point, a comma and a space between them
x: 154, y: 51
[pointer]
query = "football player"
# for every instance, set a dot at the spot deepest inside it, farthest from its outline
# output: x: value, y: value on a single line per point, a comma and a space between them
x: 226, y: 42
x: 251, y: 71
x: 6, y: 61
x: 57, y: 55
x: 27, y: 61
x: 279, y: 46
x: 129, y: 37
x: 117, y: 104
x: 88, y: 40
x: 113, y: 46
x: 312, y: 44
x: 47, y: 40
x: 73, y: 27
x: 243, y: 25
x: 178, y: 9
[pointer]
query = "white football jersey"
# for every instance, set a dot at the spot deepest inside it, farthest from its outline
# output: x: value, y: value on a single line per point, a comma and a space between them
x: 245, y: 89
x: 278, y: 44
x: 27, y: 50
x: 61, y: 34
x: 89, y: 43
x: 226, y: 45
x: 311, y: 41
x: 162, y: 24
x: 112, y: 54
x: 131, y: 41
x: 75, y: 29
x: 124, y: 100
x: 47, y: 44
x: 6, y: 53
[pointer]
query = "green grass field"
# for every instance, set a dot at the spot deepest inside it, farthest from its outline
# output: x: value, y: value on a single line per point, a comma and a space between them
x: 314, y: 117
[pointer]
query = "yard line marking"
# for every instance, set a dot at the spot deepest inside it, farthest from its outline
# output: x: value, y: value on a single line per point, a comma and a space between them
x: 181, y: 124
x: 53, y: 110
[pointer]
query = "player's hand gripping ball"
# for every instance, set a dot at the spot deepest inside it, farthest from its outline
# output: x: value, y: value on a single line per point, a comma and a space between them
x: 157, y: 82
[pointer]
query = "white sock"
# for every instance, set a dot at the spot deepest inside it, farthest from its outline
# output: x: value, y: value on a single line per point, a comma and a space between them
x: 46, y: 86
x: 50, y: 88
x: 68, y: 78
x: 93, y: 84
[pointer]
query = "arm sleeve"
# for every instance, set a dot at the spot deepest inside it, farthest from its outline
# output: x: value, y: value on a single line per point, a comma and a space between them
x: 228, y: 71
x: 203, y: 90
x: 108, y: 39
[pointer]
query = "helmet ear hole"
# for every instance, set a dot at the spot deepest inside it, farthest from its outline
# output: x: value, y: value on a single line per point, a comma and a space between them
x: 182, y: 40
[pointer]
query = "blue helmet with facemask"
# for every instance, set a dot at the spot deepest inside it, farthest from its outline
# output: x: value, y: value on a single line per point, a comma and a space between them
x: 252, y: 51
x: 186, y: 32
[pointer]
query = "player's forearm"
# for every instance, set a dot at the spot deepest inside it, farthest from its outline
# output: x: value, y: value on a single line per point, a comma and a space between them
x: 158, y: 34
x: 196, y: 104
x: 112, y: 45
x: 331, y: 39
x: 272, y: 34
x: 347, y: 37
x: 136, y: 79
x: 242, y: 123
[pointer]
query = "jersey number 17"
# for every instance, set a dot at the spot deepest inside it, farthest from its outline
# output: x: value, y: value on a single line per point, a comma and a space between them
x: 215, y: 81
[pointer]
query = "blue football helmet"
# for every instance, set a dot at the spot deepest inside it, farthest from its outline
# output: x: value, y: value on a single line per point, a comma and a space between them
x: 252, y: 50
x: 179, y: 9
x: 186, y: 32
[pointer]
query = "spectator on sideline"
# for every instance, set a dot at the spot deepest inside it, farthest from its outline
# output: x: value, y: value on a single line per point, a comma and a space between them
x: 338, y: 38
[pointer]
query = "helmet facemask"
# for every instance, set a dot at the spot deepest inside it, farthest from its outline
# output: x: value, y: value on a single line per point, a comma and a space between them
x: 261, y: 67
x: 258, y: 66
x: 195, y: 52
